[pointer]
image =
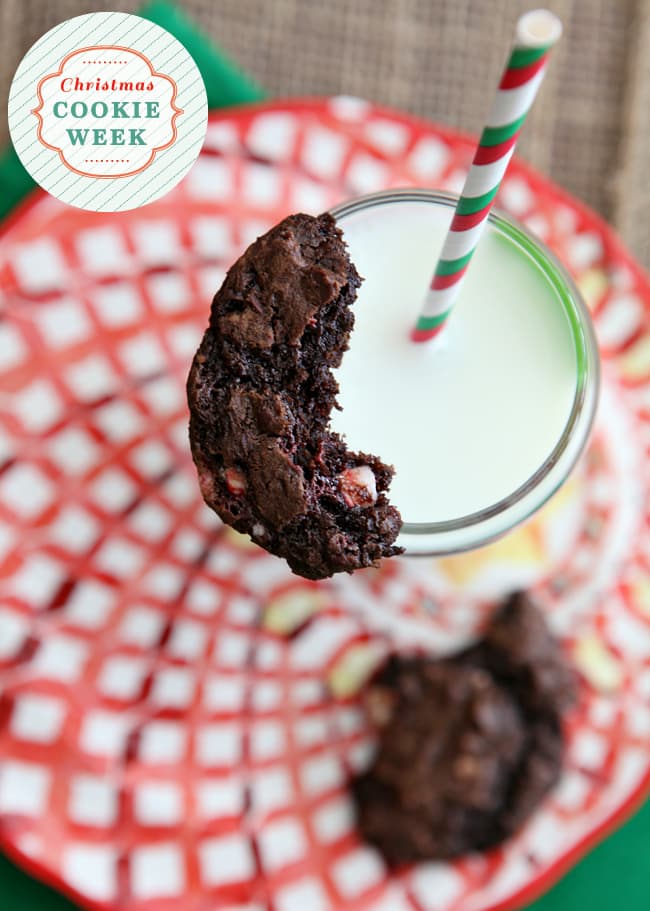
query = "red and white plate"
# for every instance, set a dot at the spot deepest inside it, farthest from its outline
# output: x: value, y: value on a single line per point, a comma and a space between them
x: 178, y: 713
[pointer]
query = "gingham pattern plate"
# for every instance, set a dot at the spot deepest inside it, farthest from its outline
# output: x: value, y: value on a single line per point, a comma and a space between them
x: 178, y: 714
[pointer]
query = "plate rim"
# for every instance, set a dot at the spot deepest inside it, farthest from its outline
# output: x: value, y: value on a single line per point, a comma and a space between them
x: 321, y: 105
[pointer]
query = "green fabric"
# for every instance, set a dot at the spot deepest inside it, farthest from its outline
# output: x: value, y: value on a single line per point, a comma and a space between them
x: 615, y: 873
x: 225, y: 83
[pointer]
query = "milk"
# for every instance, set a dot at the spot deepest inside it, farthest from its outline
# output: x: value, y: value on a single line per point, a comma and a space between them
x: 470, y: 417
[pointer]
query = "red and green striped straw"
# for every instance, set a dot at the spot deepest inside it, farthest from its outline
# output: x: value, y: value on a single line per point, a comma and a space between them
x: 536, y: 33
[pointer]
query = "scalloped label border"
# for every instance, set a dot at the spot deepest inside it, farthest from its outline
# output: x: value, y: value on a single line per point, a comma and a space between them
x: 54, y: 105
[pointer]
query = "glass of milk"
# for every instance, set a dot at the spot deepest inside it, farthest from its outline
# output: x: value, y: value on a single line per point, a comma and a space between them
x: 484, y: 423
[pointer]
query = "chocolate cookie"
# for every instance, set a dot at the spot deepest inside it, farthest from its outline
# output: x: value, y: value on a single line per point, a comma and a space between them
x: 260, y: 393
x: 469, y: 745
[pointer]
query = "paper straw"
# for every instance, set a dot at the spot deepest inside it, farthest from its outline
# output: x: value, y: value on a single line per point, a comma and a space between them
x: 535, y: 35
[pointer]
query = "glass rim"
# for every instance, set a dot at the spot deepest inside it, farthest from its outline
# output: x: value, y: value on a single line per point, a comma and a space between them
x: 587, y: 364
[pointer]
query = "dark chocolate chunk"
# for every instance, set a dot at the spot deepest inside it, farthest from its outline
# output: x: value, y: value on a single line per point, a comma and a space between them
x: 261, y: 391
x: 469, y: 745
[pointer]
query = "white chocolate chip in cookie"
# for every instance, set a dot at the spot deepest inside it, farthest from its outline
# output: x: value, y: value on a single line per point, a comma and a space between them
x: 358, y: 486
x: 235, y: 482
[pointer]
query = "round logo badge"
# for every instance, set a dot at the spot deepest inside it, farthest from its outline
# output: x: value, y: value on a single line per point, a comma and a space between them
x: 107, y: 111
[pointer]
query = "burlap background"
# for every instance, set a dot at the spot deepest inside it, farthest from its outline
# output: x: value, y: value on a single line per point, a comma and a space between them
x: 590, y: 129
